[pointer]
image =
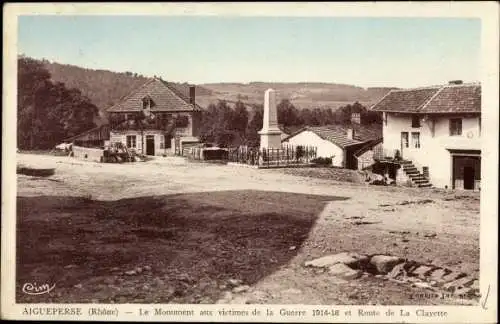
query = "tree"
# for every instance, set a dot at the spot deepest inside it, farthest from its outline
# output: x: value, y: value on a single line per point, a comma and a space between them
x: 254, y: 126
x: 288, y: 115
x: 48, y: 112
x: 216, y: 125
x: 239, y: 120
x: 306, y: 116
x: 317, y: 117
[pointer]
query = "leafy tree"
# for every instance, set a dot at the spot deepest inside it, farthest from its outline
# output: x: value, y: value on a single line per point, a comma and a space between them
x: 48, y: 112
x: 216, y: 125
x: 254, y: 126
x: 306, y: 116
x: 288, y: 114
x: 239, y: 120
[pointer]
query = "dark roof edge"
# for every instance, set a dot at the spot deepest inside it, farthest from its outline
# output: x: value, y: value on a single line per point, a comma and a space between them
x: 297, y: 132
x: 368, y: 146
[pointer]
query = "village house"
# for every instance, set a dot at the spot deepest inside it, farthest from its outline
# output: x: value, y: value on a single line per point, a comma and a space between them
x: 158, y: 118
x: 434, y: 133
x: 342, y: 143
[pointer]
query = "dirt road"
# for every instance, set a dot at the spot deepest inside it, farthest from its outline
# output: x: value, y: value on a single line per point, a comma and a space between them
x: 194, y: 226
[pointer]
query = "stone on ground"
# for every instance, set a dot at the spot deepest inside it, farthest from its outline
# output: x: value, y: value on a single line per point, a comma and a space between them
x: 397, y: 272
x: 421, y: 271
x: 234, y: 282
x: 453, y: 276
x: 423, y: 285
x: 343, y: 271
x: 241, y: 289
x: 458, y: 284
x: 438, y: 274
x: 384, y: 263
x: 344, y: 257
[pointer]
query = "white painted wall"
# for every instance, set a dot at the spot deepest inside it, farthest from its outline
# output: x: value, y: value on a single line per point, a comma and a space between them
x: 433, y: 147
x: 324, y: 148
x: 121, y: 136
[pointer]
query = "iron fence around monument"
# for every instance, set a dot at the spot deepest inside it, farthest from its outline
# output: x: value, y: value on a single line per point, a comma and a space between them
x: 266, y: 157
x: 273, y: 157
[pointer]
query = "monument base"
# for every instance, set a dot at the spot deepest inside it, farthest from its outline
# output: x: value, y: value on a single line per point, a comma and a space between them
x: 270, y: 139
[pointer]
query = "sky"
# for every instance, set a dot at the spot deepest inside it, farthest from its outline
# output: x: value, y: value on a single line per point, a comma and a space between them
x: 367, y: 52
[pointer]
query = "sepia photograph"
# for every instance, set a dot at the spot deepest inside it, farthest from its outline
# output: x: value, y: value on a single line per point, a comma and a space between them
x: 219, y: 159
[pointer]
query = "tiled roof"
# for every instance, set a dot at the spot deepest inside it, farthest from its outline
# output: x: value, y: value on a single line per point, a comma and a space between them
x: 405, y: 100
x: 334, y: 134
x: 337, y: 134
x: 441, y: 99
x: 366, y: 132
x: 455, y: 99
x: 164, y: 95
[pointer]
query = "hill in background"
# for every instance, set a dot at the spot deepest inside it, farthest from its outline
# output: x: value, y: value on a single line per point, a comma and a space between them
x: 302, y: 95
x: 105, y: 88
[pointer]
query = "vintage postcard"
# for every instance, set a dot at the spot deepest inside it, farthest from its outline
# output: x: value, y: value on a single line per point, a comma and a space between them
x: 253, y: 162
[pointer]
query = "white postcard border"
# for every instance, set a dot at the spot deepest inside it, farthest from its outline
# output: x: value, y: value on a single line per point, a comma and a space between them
x: 486, y: 11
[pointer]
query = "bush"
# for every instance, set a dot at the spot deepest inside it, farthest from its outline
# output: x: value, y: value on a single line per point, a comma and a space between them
x: 326, y: 161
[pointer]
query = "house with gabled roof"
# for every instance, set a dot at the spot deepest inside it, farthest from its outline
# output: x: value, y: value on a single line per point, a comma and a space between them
x: 339, y: 142
x: 157, y: 118
x: 436, y: 134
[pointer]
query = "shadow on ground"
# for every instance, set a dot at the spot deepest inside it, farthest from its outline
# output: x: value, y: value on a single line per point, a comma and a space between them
x: 193, y: 243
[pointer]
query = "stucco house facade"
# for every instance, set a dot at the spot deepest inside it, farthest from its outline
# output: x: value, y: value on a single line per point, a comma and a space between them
x: 339, y: 142
x: 436, y: 129
x: 158, y: 118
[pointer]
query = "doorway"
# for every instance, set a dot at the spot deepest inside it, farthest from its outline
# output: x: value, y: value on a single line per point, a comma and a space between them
x: 150, y: 145
x: 469, y: 178
x: 466, y: 172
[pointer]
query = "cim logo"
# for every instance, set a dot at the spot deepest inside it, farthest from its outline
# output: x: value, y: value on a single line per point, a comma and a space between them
x: 34, y: 289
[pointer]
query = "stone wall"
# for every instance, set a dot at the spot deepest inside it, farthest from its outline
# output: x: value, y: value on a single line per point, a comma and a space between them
x: 86, y: 153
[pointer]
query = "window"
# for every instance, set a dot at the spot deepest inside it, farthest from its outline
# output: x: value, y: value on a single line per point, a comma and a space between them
x: 415, y: 139
x: 131, y: 141
x: 404, y: 139
x: 415, y: 121
x: 182, y: 121
x: 147, y: 102
x: 455, y: 127
x: 162, y: 141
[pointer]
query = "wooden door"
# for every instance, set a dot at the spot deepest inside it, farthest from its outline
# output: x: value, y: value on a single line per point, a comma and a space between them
x: 150, y: 145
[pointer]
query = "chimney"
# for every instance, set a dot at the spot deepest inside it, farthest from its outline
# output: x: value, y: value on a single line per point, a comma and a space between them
x: 192, y: 95
x: 350, y: 133
x: 456, y: 82
x: 356, y: 118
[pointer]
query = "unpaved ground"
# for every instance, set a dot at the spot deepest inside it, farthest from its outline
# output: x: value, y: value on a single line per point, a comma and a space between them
x: 192, y: 227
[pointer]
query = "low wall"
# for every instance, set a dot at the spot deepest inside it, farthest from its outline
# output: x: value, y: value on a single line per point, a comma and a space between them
x: 87, y: 153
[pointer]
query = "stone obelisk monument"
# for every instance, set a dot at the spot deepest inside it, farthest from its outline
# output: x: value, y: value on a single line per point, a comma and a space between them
x: 270, y: 135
